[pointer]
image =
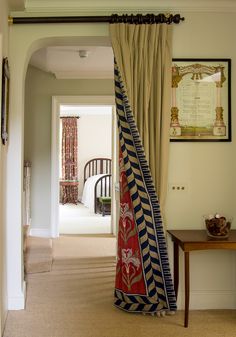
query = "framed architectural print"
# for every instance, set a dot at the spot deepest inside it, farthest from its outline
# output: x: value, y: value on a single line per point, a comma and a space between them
x: 5, y: 101
x: 201, y: 107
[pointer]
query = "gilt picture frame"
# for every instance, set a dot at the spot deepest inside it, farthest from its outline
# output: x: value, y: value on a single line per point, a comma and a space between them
x: 5, y: 100
x: 201, y: 100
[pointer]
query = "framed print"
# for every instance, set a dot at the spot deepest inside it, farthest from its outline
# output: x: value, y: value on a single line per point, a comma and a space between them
x: 201, y: 107
x: 5, y: 101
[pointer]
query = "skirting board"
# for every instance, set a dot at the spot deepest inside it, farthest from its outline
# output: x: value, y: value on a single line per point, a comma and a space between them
x: 40, y: 232
x: 4, y: 319
x: 209, y: 299
x: 18, y: 303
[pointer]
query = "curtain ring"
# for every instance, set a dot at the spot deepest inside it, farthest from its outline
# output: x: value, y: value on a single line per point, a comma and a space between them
x: 132, y: 18
x: 114, y: 18
x: 139, y: 19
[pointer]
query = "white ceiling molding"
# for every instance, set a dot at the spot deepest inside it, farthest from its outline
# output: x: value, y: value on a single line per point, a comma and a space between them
x: 16, y: 5
x: 107, y: 7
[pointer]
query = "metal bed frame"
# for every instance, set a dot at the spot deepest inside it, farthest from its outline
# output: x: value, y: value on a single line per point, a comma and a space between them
x: 103, y: 185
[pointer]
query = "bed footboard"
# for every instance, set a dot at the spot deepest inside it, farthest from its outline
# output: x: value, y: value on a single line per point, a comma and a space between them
x: 102, y: 189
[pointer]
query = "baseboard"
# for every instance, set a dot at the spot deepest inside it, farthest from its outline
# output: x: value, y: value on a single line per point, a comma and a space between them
x: 18, y: 302
x: 4, y: 309
x: 209, y: 299
x: 4, y: 319
x: 40, y: 232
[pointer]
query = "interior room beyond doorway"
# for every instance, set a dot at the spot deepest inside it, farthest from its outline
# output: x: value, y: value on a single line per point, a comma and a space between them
x: 80, y: 209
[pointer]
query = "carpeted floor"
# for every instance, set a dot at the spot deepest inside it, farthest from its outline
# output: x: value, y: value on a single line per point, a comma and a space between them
x: 84, y: 246
x: 38, y: 255
x: 78, y: 219
x: 75, y: 299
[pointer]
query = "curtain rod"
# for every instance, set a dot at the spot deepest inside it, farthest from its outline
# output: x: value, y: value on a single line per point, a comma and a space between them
x: 114, y: 18
x: 78, y: 117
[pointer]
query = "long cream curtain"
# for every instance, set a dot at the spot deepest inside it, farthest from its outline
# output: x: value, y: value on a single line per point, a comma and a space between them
x: 143, y: 55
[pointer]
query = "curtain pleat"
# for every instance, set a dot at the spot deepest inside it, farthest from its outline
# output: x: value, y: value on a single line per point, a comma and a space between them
x: 143, y: 55
x: 143, y: 279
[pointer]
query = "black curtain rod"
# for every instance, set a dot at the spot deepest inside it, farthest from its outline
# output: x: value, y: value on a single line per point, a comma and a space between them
x: 78, y: 117
x: 115, y: 18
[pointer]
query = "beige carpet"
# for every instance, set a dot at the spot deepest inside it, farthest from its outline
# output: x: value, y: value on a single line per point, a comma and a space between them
x: 84, y: 246
x: 38, y: 255
x: 75, y: 299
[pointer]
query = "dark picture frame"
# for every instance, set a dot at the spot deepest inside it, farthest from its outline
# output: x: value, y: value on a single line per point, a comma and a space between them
x: 5, y: 100
x: 201, y: 100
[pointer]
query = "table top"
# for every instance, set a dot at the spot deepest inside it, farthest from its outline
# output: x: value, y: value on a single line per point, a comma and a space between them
x: 69, y: 181
x: 194, y: 239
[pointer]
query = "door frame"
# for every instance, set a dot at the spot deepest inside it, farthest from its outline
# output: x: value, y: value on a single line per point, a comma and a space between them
x: 57, y: 101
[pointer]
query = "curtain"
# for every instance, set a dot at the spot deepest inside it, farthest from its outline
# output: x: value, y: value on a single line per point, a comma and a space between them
x: 69, y: 183
x: 142, y: 86
x: 143, y: 53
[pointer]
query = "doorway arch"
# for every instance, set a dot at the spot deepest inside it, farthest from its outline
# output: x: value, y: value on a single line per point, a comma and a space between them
x: 24, y: 41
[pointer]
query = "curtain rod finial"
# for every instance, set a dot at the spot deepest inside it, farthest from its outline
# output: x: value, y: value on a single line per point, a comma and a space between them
x: 177, y: 18
x: 10, y: 20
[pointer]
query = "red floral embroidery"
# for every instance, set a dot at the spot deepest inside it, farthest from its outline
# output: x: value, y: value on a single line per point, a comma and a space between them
x: 129, y: 274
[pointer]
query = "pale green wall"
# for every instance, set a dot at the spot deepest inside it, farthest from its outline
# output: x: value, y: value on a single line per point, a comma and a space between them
x: 40, y: 87
x: 208, y: 169
x: 3, y: 154
x: 23, y: 41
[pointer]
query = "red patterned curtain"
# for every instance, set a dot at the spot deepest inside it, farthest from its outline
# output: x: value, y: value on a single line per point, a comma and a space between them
x: 69, y: 183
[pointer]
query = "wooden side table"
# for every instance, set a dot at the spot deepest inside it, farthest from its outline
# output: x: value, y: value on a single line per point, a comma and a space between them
x: 190, y: 240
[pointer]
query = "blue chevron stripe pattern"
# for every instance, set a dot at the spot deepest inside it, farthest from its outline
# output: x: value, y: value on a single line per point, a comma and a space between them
x: 160, y: 293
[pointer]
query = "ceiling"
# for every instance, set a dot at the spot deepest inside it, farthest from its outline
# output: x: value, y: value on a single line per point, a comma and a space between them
x: 65, y: 62
x: 80, y: 7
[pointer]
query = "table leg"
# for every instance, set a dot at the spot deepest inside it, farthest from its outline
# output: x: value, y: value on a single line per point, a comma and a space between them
x: 176, y: 268
x: 187, y: 288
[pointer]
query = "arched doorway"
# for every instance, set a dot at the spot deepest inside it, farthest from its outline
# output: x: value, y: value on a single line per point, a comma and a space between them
x: 23, y: 42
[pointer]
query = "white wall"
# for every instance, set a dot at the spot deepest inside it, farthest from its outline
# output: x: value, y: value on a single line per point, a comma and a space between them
x: 94, y: 141
x: 207, y: 168
x: 3, y: 154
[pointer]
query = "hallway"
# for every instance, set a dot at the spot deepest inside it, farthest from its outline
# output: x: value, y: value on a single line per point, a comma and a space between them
x: 75, y: 299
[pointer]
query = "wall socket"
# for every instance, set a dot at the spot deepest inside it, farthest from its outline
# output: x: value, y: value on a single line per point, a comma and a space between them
x: 178, y: 187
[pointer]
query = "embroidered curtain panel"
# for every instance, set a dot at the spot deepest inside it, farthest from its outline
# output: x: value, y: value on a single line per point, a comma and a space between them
x: 69, y: 193
x: 143, y: 279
